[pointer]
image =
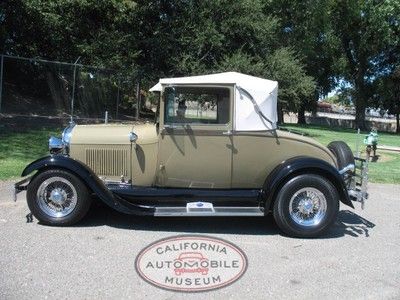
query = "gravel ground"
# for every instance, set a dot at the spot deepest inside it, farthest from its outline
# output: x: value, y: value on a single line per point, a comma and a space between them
x: 358, y: 259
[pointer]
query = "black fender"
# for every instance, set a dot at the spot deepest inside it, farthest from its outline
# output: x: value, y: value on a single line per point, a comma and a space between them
x: 303, y: 165
x: 91, y: 180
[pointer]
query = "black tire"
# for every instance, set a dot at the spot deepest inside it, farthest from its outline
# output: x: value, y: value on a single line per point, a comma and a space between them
x: 70, y: 184
x: 314, y: 184
x: 342, y: 152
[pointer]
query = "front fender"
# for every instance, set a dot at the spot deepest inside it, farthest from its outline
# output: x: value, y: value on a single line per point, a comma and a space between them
x: 89, y: 178
x: 304, y: 165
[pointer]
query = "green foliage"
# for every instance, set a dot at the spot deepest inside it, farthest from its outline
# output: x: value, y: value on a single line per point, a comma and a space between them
x: 243, y: 63
x: 304, y: 25
x: 98, y: 31
x: 307, y: 45
x: 294, y: 84
x: 342, y: 98
x: 369, y: 38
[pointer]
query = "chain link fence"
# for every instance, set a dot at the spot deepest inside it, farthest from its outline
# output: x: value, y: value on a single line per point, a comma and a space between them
x: 49, y: 89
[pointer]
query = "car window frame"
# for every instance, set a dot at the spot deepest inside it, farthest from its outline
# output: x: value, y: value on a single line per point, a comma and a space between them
x: 222, y: 126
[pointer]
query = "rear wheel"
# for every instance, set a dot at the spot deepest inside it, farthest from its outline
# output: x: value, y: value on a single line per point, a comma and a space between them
x: 306, y: 206
x: 58, y: 197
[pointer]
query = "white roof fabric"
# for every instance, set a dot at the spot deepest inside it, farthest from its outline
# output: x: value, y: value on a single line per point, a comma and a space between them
x: 255, y: 98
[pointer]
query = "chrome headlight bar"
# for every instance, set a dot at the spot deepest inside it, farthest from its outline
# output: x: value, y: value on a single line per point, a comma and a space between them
x: 67, y: 133
x: 57, y: 145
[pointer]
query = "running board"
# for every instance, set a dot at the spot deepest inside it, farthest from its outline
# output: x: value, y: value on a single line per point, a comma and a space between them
x: 206, y: 209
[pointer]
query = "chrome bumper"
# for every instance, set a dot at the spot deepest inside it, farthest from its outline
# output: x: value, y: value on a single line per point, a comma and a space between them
x: 20, y: 186
x: 356, y: 179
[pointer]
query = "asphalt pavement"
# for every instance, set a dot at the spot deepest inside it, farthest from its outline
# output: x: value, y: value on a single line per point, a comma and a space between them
x: 358, y: 259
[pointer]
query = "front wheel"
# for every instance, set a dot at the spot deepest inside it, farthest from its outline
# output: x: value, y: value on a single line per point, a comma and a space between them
x: 306, y: 206
x: 58, y: 197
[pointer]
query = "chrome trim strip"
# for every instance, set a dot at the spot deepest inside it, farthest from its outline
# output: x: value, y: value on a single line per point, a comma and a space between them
x: 179, y: 211
x: 192, y: 132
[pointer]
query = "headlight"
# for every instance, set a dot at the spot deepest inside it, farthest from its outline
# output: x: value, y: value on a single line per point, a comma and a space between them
x: 55, y: 145
x: 66, y: 135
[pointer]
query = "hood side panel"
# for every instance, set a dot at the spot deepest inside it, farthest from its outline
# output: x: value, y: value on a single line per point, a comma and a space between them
x: 108, y: 151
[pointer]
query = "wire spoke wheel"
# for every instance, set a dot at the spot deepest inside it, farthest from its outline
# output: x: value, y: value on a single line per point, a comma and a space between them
x: 307, y: 207
x: 57, y: 197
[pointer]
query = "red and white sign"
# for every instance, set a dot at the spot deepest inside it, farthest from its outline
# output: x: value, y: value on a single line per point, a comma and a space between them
x: 191, y: 263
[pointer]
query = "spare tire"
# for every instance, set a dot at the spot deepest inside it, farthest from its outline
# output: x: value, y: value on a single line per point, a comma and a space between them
x: 342, y: 152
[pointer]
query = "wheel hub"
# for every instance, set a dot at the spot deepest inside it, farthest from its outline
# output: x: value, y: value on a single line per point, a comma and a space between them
x: 58, y: 196
x: 306, y: 206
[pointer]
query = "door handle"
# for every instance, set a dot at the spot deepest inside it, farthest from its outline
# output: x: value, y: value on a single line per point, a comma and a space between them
x: 229, y: 132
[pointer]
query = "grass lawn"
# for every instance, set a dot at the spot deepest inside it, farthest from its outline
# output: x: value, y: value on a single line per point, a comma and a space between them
x: 387, y: 167
x: 19, y: 149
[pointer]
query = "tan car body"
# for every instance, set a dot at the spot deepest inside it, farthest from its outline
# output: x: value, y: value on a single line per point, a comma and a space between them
x: 214, y: 151
x: 189, y: 155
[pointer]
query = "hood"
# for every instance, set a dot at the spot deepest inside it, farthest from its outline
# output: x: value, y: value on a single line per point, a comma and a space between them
x: 113, y: 134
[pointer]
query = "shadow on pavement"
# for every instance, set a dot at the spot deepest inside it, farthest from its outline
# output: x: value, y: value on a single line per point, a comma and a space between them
x: 100, y: 215
x: 348, y: 223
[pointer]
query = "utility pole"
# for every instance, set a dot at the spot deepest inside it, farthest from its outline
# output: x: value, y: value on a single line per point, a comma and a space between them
x: 118, y: 91
x: 73, y: 91
x: 137, y: 98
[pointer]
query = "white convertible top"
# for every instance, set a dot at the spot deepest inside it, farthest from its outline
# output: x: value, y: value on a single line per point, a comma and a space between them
x: 255, y: 98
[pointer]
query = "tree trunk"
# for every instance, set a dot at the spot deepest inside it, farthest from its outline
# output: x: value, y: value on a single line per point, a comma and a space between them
x: 301, y: 117
x: 280, y: 114
x: 398, y: 121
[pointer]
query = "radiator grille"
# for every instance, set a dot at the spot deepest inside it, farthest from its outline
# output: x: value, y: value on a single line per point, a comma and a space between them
x: 108, y: 162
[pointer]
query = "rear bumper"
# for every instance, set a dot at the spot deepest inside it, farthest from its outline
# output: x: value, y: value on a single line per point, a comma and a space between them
x: 356, y: 179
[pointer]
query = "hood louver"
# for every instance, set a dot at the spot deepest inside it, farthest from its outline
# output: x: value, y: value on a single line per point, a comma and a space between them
x: 108, y: 162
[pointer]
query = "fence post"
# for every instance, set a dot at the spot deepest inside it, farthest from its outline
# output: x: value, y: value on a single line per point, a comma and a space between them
x: 1, y: 80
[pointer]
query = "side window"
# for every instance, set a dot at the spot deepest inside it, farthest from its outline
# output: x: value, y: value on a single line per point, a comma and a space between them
x: 197, y: 105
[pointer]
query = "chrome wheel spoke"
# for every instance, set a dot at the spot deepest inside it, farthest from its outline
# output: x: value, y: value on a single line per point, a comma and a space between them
x: 57, y: 197
x: 308, y: 206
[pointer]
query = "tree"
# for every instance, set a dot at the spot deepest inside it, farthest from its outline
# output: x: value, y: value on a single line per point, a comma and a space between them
x: 304, y: 26
x: 387, y: 94
x: 194, y: 37
x: 368, y: 33
x: 96, y: 31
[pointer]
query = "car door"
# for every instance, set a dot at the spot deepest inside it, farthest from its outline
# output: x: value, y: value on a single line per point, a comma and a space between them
x: 195, y: 137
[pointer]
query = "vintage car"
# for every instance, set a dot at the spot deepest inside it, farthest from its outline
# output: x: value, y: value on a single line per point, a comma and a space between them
x: 214, y: 150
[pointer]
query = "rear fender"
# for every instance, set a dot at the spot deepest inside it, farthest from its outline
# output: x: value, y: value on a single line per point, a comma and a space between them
x: 303, y: 165
x: 89, y: 178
